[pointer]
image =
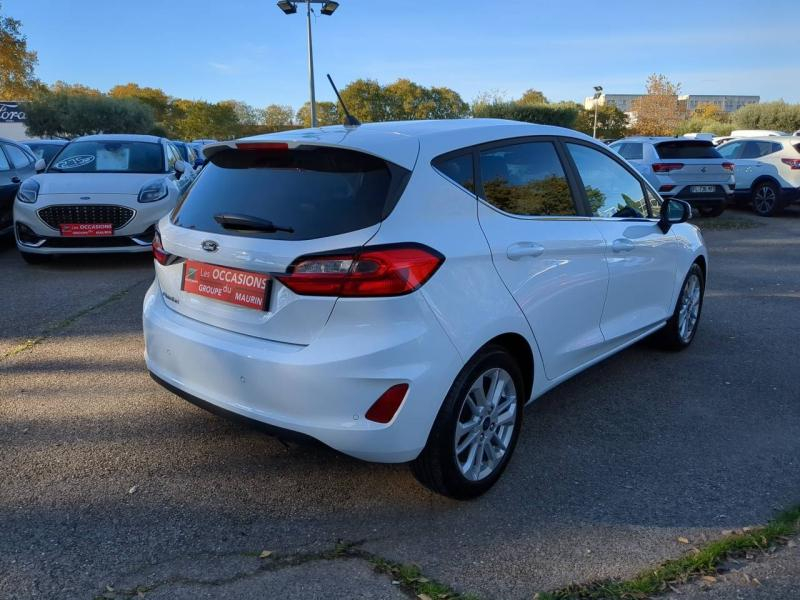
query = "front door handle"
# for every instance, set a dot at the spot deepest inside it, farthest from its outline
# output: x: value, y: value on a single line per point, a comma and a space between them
x: 520, y: 249
x: 622, y: 245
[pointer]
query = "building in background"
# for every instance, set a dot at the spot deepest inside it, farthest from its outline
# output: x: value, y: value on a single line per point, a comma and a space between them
x: 12, y: 120
x: 726, y: 102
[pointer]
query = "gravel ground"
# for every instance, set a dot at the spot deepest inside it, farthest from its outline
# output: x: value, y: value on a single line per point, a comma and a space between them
x: 109, y: 480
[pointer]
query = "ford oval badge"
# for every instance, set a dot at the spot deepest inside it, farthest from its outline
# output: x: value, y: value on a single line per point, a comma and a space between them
x: 209, y: 245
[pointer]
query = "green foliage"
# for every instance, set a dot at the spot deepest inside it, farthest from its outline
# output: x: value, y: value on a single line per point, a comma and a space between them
x: 327, y: 114
x: 403, y: 100
x: 548, y: 196
x: 67, y: 115
x: 200, y: 119
x: 153, y: 97
x: 778, y: 115
x: 563, y: 114
x: 17, y: 81
x: 703, y: 125
x: 278, y: 116
x: 532, y: 96
x: 611, y: 121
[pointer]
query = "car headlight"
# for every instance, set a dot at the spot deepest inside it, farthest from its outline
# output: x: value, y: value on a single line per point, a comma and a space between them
x: 153, y: 191
x: 28, y: 191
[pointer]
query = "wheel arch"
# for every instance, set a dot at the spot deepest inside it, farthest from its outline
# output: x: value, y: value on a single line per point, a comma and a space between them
x: 701, y: 262
x: 764, y: 178
x: 521, y: 350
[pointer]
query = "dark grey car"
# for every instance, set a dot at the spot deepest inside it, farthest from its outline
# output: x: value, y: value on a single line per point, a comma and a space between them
x: 16, y: 165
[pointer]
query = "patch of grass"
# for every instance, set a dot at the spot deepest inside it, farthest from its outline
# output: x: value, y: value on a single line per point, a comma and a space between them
x: 704, y: 561
x: 410, y: 577
x: 725, y: 223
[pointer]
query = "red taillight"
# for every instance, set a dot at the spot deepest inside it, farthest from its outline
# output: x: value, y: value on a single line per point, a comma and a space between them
x: 666, y: 188
x: 161, y: 255
x: 279, y: 146
x: 385, y: 407
x: 794, y: 163
x: 666, y: 167
x: 728, y: 166
x: 368, y: 272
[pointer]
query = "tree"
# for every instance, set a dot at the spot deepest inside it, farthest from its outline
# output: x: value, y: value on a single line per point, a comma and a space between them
x: 532, y: 96
x: 154, y: 97
x: 17, y: 63
x: 657, y: 112
x: 406, y: 100
x: 611, y: 121
x: 709, y: 111
x: 247, y: 115
x: 778, y: 116
x: 278, y: 117
x: 200, y: 119
x: 327, y: 114
x: 446, y: 104
x: 74, y: 89
x: 68, y: 115
x: 702, y: 125
x: 366, y: 99
x: 564, y: 114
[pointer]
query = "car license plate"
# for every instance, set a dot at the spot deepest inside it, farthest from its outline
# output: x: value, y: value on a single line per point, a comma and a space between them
x: 86, y: 229
x: 243, y: 288
x: 703, y: 189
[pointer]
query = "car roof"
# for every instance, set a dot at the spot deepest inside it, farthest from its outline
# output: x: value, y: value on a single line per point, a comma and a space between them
x: 10, y: 141
x: 402, y: 142
x: 119, y: 137
x: 54, y: 142
x: 793, y: 139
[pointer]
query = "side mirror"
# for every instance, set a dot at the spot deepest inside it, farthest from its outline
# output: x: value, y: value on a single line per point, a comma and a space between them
x: 40, y: 165
x: 674, y: 212
x: 180, y: 168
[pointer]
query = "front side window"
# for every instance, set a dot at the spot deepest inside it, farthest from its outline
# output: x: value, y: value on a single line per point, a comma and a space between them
x: 109, y: 157
x: 611, y: 190
x: 526, y: 179
x: 18, y: 158
x: 458, y: 169
x: 730, y: 150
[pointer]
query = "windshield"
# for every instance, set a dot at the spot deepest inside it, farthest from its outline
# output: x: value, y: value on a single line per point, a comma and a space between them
x: 687, y: 149
x: 109, y: 157
x: 312, y: 192
x: 44, y: 151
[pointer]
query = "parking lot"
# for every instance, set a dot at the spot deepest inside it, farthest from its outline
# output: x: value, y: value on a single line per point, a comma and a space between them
x: 113, y: 487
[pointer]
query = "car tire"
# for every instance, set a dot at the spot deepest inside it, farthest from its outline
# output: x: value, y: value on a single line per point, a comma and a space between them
x: 766, y: 197
x: 481, y: 429
x: 35, y: 259
x: 712, y: 211
x: 679, y: 332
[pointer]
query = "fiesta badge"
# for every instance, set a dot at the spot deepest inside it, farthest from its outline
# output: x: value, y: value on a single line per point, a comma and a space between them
x: 209, y: 245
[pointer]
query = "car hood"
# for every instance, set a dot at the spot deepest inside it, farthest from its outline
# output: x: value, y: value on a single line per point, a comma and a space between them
x: 93, y: 183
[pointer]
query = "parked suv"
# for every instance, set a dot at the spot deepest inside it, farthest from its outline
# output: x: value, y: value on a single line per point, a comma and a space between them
x: 399, y: 291
x: 687, y: 169
x: 767, y: 172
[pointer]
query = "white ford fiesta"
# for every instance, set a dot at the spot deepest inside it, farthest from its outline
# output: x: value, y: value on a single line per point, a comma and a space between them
x: 100, y: 193
x: 400, y: 291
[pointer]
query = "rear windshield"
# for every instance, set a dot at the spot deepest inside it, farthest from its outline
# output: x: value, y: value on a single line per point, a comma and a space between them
x: 687, y: 149
x: 109, y: 157
x: 316, y: 192
x: 44, y: 151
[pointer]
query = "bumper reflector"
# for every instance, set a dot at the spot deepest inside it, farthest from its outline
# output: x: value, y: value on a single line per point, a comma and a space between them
x: 385, y: 407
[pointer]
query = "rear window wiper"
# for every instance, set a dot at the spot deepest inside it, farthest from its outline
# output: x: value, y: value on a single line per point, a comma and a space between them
x: 249, y: 223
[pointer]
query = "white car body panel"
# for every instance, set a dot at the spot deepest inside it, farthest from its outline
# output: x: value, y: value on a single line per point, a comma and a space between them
x: 315, y: 365
x: 768, y: 166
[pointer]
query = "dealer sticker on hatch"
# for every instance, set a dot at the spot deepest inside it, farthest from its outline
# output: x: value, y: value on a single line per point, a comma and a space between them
x: 234, y: 286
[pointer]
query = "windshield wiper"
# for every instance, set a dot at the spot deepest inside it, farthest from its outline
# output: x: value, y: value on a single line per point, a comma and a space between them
x: 249, y: 223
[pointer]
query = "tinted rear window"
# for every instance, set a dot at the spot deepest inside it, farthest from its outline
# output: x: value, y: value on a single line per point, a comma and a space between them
x: 317, y: 192
x: 687, y: 149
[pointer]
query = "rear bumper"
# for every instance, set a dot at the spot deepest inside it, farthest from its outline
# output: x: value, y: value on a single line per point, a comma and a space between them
x: 322, y: 390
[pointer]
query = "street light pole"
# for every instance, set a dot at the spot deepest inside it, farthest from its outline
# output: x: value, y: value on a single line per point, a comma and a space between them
x: 311, y: 67
x: 598, y: 93
x: 289, y: 7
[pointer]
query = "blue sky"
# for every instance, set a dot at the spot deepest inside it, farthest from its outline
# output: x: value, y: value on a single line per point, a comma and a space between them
x: 249, y: 50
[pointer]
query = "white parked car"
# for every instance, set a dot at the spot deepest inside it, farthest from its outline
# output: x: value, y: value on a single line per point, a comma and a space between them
x: 400, y: 291
x: 767, y: 172
x: 686, y: 169
x: 100, y: 193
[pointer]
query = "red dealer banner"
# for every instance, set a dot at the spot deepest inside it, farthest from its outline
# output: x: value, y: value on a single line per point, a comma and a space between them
x: 228, y: 285
x: 86, y: 229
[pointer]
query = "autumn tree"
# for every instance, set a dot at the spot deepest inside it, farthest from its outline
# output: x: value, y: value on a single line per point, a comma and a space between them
x: 74, y: 89
x: 277, y: 116
x: 611, y: 121
x: 17, y: 63
x: 532, y: 96
x: 155, y: 98
x: 367, y: 100
x: 709, y: 111
x: 657, y: 112
x: 327, y: 114
x: 200, y: 119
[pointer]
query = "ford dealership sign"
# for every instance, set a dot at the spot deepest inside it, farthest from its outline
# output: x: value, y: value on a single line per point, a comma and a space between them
x: 12, y: 112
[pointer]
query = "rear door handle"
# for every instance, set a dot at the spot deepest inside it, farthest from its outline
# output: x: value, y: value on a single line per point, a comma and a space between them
x: 520, y: 249
x: 622, y: 245
x: 15, y: 179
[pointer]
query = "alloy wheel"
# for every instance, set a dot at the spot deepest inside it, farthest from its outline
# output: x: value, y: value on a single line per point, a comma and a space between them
x: 764, y: 199
x: 486, y: 424
x: 690, y: 308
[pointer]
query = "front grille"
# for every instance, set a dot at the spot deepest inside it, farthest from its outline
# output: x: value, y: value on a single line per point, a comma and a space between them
x: 55, y: 216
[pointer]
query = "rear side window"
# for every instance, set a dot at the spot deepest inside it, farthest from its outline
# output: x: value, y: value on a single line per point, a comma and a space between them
x: 314, y: 191
x: 631, y: 151
x: 526, y: 179
x: 687, y: 149
x: 759, y: 149
x: 458, y: 169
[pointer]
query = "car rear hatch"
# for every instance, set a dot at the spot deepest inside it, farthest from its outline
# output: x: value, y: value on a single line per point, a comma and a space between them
x: 256, y: 208
x: 692, y: 162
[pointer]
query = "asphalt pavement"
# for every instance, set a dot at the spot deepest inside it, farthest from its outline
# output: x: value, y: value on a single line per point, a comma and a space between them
x: 112, y: 487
